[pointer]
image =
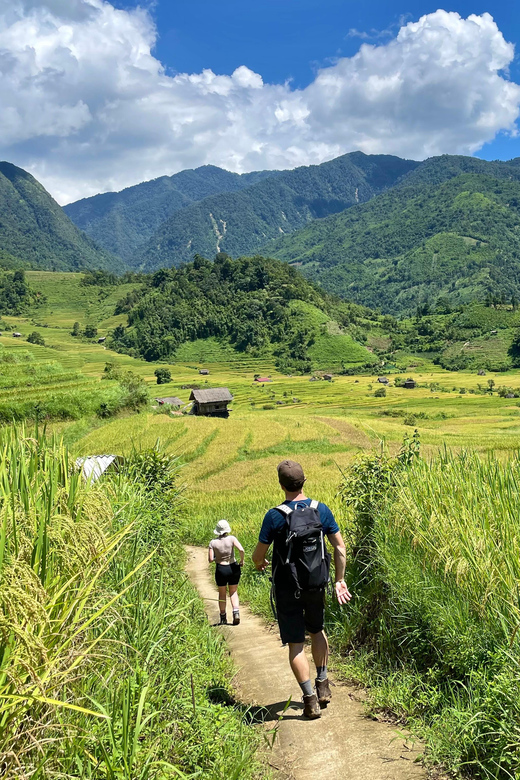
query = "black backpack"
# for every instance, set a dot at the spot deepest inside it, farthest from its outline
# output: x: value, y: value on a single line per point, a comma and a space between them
x: 305, y: 555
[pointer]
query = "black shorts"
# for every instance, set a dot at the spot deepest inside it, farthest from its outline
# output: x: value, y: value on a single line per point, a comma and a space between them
x: 298, y: 615
x: 227, y: 574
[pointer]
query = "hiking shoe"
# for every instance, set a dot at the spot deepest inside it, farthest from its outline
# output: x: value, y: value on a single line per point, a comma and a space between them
x: 223, y: 620
x: 323, y: 692
x: 236, y: 618
x: 311, y: 708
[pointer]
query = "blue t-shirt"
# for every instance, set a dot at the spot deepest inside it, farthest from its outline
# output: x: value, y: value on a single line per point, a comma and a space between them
x: 275, y: 521
x: 274, y: 524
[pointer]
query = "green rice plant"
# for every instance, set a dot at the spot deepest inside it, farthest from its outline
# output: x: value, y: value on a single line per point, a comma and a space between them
x: 107, y: 661
x: 437, y: 610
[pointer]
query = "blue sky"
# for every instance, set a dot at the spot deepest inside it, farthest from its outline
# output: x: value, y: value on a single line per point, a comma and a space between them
x: 102, y: 94
x: 290, y: 39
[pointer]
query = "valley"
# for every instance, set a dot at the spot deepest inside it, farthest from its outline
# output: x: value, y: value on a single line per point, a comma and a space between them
x: 412, y: 281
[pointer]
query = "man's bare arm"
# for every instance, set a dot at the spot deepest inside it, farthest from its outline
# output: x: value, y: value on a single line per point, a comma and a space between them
x: 259, y: 556
x: 340, y: 561
x: 211, y: 555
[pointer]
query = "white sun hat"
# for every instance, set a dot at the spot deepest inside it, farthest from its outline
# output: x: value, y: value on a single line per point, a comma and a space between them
x: 223, y: 527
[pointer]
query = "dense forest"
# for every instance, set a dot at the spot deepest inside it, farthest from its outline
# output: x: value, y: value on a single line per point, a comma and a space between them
x: 239, y: 223
x: 35, y: 232
x: 122, y: 222
x: 248, y: 302
x: 450, y: 229
x: 15, y: 294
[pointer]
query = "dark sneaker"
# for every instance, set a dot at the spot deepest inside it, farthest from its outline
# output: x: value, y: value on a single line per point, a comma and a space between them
x: 311, y: 708
x: 323, y: 692
x: 223, y: 620
x: 236, y: 618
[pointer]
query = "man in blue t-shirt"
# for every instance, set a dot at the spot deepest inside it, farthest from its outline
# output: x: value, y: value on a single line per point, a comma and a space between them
x: 301, y: 611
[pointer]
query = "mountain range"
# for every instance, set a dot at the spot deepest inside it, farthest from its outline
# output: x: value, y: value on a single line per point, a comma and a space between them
x: 35, y: 232
x: 375, y: 229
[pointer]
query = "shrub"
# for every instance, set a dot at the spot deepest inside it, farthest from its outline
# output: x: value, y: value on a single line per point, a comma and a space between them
x: 90, y: 332
x: 380, y: 392
x: 163, y: 375
x: 36, y: 338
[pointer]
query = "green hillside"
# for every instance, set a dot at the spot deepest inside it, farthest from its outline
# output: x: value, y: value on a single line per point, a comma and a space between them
x: 450, y: 228
x: 121, y: 222
x: 240, y: 222
x: 34, y: 231
x: 263, y: 308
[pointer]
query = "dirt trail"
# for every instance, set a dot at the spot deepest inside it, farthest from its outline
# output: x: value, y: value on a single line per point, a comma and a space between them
x: 342, y: 744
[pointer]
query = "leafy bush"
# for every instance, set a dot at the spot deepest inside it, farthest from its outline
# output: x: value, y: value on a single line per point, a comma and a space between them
x: 380, y: 392
x: 36, y: 338
x: 163, y: 375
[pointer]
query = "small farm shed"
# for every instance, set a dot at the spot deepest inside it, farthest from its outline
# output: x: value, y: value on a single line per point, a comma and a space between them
x: 16, y: 335
x: 410, y: 384
x: 102, y: 340
x: 204, y: 371
x: 93, y: 466
x: 481, y: 372
x: 263, y: 379
x: 212, y: 402
x: 328, y: 377
x: 383, y: 380
x: 171, y: 400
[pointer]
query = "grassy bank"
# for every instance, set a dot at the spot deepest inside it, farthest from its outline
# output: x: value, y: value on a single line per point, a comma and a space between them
x: 108, y: 668
x: 433, y: 628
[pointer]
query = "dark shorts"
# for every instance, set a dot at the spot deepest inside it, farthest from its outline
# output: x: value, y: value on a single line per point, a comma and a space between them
x: 298, y: 615
x: 227, y: 574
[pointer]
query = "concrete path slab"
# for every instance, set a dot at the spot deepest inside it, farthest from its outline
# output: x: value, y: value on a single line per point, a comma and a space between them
x: 342, y: 744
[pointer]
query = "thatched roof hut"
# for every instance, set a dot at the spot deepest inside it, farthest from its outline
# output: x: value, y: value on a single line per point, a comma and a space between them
x: 211, y: 402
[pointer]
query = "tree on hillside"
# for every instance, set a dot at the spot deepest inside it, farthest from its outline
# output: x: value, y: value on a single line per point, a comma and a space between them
x: 75, y: 330
x: 90, y: 331
x: 36, y: 338
x: 163, y: 376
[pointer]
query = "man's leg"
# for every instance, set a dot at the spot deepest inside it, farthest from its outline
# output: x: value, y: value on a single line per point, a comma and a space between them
x: 300, y: 667
x: 320, y: 649
x: 320, y: 654
x: 298, y: 662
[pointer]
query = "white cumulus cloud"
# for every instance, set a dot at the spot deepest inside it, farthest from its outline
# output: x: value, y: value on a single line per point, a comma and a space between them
x: 86, y: 107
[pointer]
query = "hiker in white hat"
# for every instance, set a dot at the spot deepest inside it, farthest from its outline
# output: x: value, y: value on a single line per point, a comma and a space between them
x: 228, y: 571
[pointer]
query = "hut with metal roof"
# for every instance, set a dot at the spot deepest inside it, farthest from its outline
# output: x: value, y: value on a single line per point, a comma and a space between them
x: 212, y: 402
x: 170, y: 400
x: 410, y: 383
x: 383, y: 380
x: 204, y: 371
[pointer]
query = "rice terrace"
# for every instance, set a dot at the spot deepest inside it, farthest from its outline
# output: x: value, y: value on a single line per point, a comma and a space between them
x: 259, y: 391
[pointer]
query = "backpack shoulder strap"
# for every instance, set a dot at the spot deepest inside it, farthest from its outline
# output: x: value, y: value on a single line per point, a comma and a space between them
x: 284, y: 509
x: 314, y: 504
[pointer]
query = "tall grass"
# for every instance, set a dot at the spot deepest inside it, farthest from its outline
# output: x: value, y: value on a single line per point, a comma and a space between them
x: 434, y: 627
x: 108, y: 668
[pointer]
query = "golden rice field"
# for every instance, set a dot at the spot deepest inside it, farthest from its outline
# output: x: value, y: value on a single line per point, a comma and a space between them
x: 230, y: 463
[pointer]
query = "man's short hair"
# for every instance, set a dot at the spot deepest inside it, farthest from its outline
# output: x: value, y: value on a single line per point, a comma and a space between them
x: 290, y: 475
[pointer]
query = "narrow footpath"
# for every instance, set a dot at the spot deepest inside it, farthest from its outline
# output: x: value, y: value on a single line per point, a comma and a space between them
x: 342, y: 744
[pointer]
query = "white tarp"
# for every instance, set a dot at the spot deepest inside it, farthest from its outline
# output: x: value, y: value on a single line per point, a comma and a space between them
x: 93, y: 466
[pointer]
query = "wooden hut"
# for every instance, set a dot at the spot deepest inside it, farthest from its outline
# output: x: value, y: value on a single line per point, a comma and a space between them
x: 204, y: 371
x: 16, y: 335
x: 263, y: 379
x: 212, y: 402
x: 328, y: 377
x: 410, y: 384
x: 383, y: 380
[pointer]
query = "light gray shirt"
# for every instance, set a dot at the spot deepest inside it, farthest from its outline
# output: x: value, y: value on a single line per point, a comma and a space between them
x: 223, y: 548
